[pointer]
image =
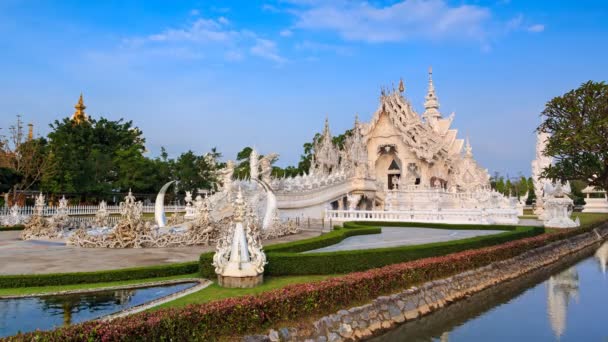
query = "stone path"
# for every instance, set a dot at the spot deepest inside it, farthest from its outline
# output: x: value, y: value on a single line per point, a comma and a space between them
x: 33, y: 256
x: 392, y: 237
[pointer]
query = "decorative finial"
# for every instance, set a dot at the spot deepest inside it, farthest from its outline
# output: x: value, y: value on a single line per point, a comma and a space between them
x: 30, y: 133
x: 468, y: 150
x: 431, y: 104
x: 401, y: 85
x: 430, y: 70
x: 79, y: 115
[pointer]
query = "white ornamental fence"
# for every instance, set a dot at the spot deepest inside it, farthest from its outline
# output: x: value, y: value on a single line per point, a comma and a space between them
x: 88, y: 210
x: 472, y: 216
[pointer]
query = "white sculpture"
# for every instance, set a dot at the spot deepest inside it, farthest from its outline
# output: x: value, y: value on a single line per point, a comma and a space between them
x: 557, y: 206
x: 226, y: 174
x: 538, y: 165
x: 239, y: 260
x: 266, y: 166
x: 14, y: 217
x: 190, y: 211
x: 102, y: 215
x: 353, y: 201
x: 254, y: 170
x: 159, y: 204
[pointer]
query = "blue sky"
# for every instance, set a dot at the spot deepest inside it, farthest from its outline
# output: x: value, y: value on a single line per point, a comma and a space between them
x: 193, y: 75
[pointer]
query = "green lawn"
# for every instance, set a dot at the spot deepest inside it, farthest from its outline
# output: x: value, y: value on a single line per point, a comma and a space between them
x: 215, y: 292
x: 47, y: 289
x: 590, y: 219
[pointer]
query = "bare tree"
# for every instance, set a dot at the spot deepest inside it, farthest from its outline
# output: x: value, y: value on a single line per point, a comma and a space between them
x: 26, y: 156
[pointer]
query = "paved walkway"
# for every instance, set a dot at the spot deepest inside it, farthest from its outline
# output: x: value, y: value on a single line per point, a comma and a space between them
x: 33, y: 256
x: 393, y: 237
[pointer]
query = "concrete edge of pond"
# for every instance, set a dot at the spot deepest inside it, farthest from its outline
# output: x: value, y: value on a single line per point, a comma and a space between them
x: 112, y: 288
x: 202, y: 283
x: 387, y: 312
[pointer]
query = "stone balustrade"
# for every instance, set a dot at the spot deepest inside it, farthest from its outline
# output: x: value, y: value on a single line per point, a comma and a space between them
x: 465, y: 216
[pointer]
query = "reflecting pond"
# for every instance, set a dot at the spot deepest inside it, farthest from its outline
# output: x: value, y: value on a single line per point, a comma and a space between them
x: 47, y: 312
x: 566, y: 302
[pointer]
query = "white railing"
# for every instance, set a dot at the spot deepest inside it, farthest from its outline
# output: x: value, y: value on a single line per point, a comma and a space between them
x: 472, y: 216
x: 88, y: 210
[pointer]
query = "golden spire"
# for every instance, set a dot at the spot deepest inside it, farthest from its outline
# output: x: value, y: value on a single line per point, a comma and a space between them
x: 79, y: 115
x: 30, y: 133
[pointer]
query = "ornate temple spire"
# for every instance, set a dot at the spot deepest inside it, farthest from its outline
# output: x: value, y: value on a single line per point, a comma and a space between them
x: 431, y: 103
x: 326, y: 131
x: 79, y: 115
x: 30, y: 132
x: 468, y: 150
x: 401, y: 86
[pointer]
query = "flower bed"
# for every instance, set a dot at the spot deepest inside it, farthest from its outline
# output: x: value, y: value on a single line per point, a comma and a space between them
x: 235, y: 316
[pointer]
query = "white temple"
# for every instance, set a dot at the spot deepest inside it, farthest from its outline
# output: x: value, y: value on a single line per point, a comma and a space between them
x: 400, y: 166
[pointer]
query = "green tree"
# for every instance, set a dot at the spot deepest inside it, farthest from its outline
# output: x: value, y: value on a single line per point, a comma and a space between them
x: 578, y: 126
x: 95, y: 157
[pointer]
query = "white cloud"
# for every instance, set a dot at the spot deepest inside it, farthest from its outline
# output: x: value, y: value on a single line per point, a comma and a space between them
x: 195, y: 12
x: 270, y: 8
x: 267, y: 49
x: 536, y: 28
x: 404, y: 20
x: 214, y: 36
x: 323, y: 47
x: 286, y: 33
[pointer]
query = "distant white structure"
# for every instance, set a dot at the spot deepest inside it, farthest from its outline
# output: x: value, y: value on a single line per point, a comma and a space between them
x: 598, y: 204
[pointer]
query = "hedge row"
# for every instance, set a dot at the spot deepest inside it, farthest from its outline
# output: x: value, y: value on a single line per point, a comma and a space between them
x: 32, y: 280
x: 241, y: 315
x: 9, y: 228
x: 288, y: 260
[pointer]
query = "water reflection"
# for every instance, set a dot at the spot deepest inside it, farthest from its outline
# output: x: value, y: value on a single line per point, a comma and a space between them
x: 602, y: 257
x: 561, y: 288
x: 564, y: 301
x: 28, y: 314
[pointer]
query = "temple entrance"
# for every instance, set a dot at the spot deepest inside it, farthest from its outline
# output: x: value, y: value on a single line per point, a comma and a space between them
x: 394, y: 175
x: 388, y: 167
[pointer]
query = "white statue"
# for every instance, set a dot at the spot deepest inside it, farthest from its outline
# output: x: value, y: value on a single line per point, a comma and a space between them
x: 239, y: 255
x: 254, y: 170
x: 266, y: 166
x: 227, y: 174
x: 102, y: 215
x: 538, y: 165
x: 557, y: 206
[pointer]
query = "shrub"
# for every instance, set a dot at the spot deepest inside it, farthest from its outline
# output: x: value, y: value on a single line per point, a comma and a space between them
x: 237, y: 316
x: 31, y: 280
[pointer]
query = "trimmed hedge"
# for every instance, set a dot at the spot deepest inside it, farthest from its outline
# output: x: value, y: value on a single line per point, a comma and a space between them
x: 286, y: 259
x: 31, y: 280
x: 237, y: 316
x: 9, y: 228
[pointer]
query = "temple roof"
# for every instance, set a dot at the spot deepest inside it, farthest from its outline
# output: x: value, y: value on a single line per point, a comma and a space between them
x: 428, y: 142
